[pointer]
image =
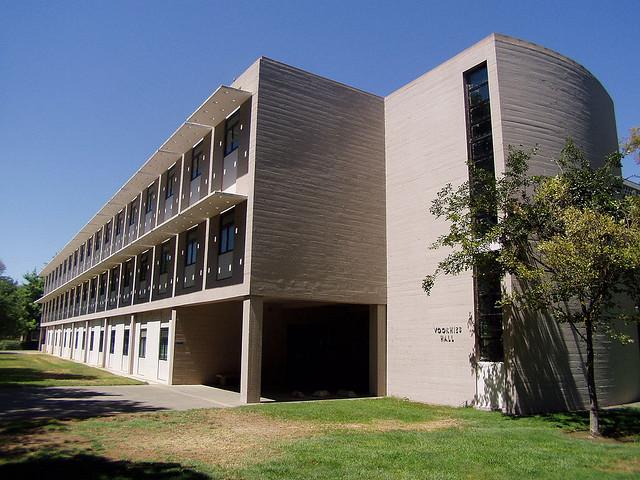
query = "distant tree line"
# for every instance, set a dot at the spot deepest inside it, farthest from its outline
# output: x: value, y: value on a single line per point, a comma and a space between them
x: 19, y: 314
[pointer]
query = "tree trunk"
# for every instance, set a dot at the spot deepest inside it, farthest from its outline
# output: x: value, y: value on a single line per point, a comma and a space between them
x: 594, y: 417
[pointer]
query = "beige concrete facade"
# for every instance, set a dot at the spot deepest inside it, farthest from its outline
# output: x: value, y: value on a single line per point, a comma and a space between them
x: 280, y: 236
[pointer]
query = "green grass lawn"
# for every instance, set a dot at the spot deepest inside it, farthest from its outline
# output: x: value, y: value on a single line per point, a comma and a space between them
x: 343, y: 439
x: 40, y: 370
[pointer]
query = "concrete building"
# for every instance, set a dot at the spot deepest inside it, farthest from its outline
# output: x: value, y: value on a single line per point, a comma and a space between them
x: 277, y: 241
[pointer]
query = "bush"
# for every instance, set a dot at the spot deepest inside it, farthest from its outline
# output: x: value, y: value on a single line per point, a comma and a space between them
x: 10, y: 344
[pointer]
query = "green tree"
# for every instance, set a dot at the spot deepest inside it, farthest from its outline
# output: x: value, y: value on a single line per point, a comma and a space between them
x: 28, y: 310
x: 571, y: 242
x: 9, y: 309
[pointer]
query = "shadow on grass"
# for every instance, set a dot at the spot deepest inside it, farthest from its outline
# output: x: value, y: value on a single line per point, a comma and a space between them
x: 64, y: 403
x: 615, y: 423
x: 16, y: 377
x: 85, y: 466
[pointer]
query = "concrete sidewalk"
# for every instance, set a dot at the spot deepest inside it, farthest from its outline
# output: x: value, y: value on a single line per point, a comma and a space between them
x: 65, y: 403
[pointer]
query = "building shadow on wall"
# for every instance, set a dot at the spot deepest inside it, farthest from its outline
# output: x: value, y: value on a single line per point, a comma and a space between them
x: 540, y: 377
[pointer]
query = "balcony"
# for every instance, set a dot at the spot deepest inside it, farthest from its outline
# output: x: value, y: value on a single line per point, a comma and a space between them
x: 209, y: 206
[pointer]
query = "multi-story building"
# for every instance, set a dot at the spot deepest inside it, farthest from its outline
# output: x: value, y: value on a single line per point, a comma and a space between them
x: 277, y: 241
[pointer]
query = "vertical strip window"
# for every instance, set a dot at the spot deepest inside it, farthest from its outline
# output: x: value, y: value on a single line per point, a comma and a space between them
x: 101, y: 341
x: 487, y: 287
x: 142, y: 345
x: 231, y: 134
x: 149, y: 200
x: 112, y: 344
x: 191, y: 252
x: 196, y: 159
x: 164, y: 344
x: 227, y: 232
x: 125, y: 342
x: 171, y: 176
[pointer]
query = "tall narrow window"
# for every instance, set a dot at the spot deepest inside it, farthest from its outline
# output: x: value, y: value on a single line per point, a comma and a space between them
x: 487, y: 288
x: 196, y: 159
x: 171, y: 178
x: 232, y: 134
x: 149, y: 202
x: 89, y: 247
x: 91, y: 337
x: 83, y: 339
x: 118, y: 223
x: 112, y: 344
x: 81, y: 253
x: 191, y: 252
x: 144, y: 263
x: 133, y: 212
x: 227, y: 232
x: 125, y: 342
x: 98, y: 236
x: 101, y: 340
x: 164, y: 343
x: 142, y: 344
x: 107, y: 233
x: 165, y: 258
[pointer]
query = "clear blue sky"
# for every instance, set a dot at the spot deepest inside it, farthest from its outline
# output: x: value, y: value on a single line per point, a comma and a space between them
x: 88, y: 89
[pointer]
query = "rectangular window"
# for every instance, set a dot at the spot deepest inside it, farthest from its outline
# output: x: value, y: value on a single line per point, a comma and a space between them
x: 231, y: 134
x: 125, y: 342
x: 112, y: 344
x: 92, y: 288
x: 75, y: 344
x: 196, y: 158
x: 171, y: 178
x: 126, y: 280
x: 101, y: 340
x: 81, y: 253
x: 91, y: 340
x: 84, y: 340
x: 142, y: 345
x: 118, y: 223
x: 133, y: 212
x: 144, y: 262
x: 75, y: 258
x: 107, y: 233
x: 165, y: 258
x: 98, y: 235
x: 89, y: 246
x: 113, y: 280
x: 191, y: 252
x: 164, y: 343
x: 149, y: 201
x: 227, y: 232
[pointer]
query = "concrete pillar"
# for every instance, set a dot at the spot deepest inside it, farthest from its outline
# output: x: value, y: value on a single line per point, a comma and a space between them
x: 378, y: 350
x: 132, y: 342
x: 173, y: 323
x: 251, y: 362
x: 72, y: 345
x: 86, y: 341
x: 105, y: 341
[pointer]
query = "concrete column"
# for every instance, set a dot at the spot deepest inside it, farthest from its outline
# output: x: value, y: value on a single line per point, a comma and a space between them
x: 72, y: 346
x: 173, y: 323
x: 378, y: 350
x: 132, y: 342
x: 105, y: 341
x: 86, y: 341
x: 251, y: 362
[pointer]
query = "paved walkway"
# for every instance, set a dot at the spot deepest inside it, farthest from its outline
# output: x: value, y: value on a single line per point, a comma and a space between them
x: 64, y: 403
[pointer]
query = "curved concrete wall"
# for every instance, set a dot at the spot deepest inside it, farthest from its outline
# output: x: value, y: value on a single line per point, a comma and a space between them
x: 545, y: 98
